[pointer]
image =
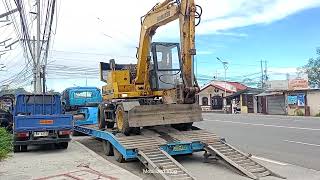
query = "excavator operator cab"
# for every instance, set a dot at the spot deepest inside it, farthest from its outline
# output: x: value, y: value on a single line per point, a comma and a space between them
x: 165, y: 65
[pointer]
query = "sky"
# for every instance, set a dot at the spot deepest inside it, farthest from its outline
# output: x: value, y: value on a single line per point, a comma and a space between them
x: 284, y: 33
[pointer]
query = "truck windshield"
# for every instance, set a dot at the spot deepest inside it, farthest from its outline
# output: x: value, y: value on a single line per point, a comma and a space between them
x: 39, y: 99
x: 83, y: 94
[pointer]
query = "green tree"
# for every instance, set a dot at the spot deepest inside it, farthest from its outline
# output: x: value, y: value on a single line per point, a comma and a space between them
x: 312, y: 69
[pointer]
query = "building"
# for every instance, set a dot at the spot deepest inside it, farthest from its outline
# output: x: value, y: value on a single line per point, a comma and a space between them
x: 245, y: 101
x: 290, y: 97
x: 212, y: 94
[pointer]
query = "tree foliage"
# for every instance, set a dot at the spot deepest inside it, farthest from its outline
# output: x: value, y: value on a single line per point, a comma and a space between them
x: 312, y: 69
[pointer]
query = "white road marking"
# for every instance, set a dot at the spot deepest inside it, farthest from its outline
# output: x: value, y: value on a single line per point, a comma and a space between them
x: 269, y: 160
x: 266, y: 125
x: 297, y: 142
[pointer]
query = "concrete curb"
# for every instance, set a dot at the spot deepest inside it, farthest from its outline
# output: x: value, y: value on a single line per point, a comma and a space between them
x: 95, y: 155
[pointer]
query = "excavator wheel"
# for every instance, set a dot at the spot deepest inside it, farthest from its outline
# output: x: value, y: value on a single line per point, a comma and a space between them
x: 182, y: 126
x: 101, y: 117
x: 122, y: 120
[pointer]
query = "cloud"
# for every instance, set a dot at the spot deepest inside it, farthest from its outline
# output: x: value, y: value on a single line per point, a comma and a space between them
x: 231, y: 14
x: 111, y: 28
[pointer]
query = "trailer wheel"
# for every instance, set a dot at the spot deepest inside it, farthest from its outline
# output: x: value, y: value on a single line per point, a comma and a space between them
x: 118, y: 156
x: 122, y: 120
x: 24, y: 148
x: 110, y: 124
x: 101, y: 118
x: 16, y: 148
x: 107, y: 148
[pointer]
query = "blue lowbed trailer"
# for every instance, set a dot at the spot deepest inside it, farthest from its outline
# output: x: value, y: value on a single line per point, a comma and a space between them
x: 155, y: 146
x: 38, y: 119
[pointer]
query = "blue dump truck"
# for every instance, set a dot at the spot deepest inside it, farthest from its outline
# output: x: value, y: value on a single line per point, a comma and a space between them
x: 38, y: 119
x: 82, y: 102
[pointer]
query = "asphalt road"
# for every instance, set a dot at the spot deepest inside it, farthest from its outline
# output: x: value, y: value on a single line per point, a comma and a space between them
x: 295, y: 140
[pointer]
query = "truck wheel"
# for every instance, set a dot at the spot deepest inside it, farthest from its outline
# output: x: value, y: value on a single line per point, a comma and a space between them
x: 118, y: 156
x: 110, y: 124
x: 24, y: 148
x: 101, y: 118
x: 16, y: 148
x: 63, y: 145
x: 122, y: 120
x: 107, y: 148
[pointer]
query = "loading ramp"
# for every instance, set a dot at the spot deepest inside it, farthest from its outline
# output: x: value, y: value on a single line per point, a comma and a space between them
x: 162, y: 165
x: 239, y: 160
x: 155, y: 146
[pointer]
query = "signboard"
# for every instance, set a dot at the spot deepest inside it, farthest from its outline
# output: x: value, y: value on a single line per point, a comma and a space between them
x: 298, y: 84
x: 292, y: 100
x: 300, y: 98
x: 277, y: 85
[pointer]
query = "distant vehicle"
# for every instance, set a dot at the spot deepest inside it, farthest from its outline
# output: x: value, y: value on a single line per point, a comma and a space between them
x: 38, y: 119
x: 75, y: 97
x: 82, y: 102
x: 6, y: 105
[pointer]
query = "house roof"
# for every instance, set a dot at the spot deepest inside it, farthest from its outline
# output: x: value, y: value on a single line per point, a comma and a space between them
x: 238, y: 85
x: 246, y: 91
x: 216, y: 86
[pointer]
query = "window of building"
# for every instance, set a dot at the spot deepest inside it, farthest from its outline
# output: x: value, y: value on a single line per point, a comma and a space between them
x: 205, y: 101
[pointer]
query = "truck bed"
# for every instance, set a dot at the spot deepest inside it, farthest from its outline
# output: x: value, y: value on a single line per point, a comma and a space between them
x: 42, y: 122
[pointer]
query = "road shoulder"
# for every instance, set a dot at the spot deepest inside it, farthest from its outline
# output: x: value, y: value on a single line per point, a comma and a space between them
x: 41, y: 163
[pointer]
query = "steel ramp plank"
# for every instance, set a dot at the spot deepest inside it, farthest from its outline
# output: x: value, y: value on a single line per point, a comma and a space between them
x: 239, y: 160
x: 163, y: 165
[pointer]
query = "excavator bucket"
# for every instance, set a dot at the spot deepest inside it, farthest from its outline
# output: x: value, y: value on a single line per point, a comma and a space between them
x: 162, y: 114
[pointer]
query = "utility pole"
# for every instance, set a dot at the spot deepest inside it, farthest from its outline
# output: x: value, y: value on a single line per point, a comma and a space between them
x: 38, y: 69
x: 225, y: 66
x: 34, y: 64
x: 266, y: 71
x: 262, y: 76
x: 44, y: 79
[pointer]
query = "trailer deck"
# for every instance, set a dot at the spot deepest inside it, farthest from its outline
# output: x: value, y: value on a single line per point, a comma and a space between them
x: 155, y: 146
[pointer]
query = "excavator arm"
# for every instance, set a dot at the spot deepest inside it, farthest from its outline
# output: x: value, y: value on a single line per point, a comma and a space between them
x: 159, y: 15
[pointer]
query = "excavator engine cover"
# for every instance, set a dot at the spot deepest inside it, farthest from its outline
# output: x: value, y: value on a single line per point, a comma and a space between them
x: 162, y: 114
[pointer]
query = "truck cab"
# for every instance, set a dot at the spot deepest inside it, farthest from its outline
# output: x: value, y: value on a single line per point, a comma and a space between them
x: 75, y: 97
x: 38, y: 119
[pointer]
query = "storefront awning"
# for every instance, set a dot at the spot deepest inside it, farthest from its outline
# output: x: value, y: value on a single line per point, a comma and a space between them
x: 269, y: 93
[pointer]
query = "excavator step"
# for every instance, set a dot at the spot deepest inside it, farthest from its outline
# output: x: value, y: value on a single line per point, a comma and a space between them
x: 163, y: 165
x: 239, y: 160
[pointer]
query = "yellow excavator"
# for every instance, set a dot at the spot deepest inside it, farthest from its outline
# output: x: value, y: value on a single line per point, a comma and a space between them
x: 161, y: 88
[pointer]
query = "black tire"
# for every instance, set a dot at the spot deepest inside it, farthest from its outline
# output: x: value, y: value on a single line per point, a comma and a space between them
x: 107, y: 148
x: 125, y: 129
x: 118, y: 156
x: 16, y: 148
x: 63, y: 145
x: 101, y: 118
x: 24, y: 148
x: 110, y: 125
x: 76, y: 133
x: 182, y: 126
x: 136, y: 130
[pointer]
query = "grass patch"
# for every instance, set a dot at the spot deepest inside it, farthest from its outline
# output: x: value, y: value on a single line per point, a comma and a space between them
x: 5, y: 143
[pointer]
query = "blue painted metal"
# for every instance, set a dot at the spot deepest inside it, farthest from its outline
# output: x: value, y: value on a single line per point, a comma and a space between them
x: 74, y: 97
x: 90, y: 116
x: 189, y: 147
x: 37, y: 104
x: 40, y: 112
x: 32, y: 122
